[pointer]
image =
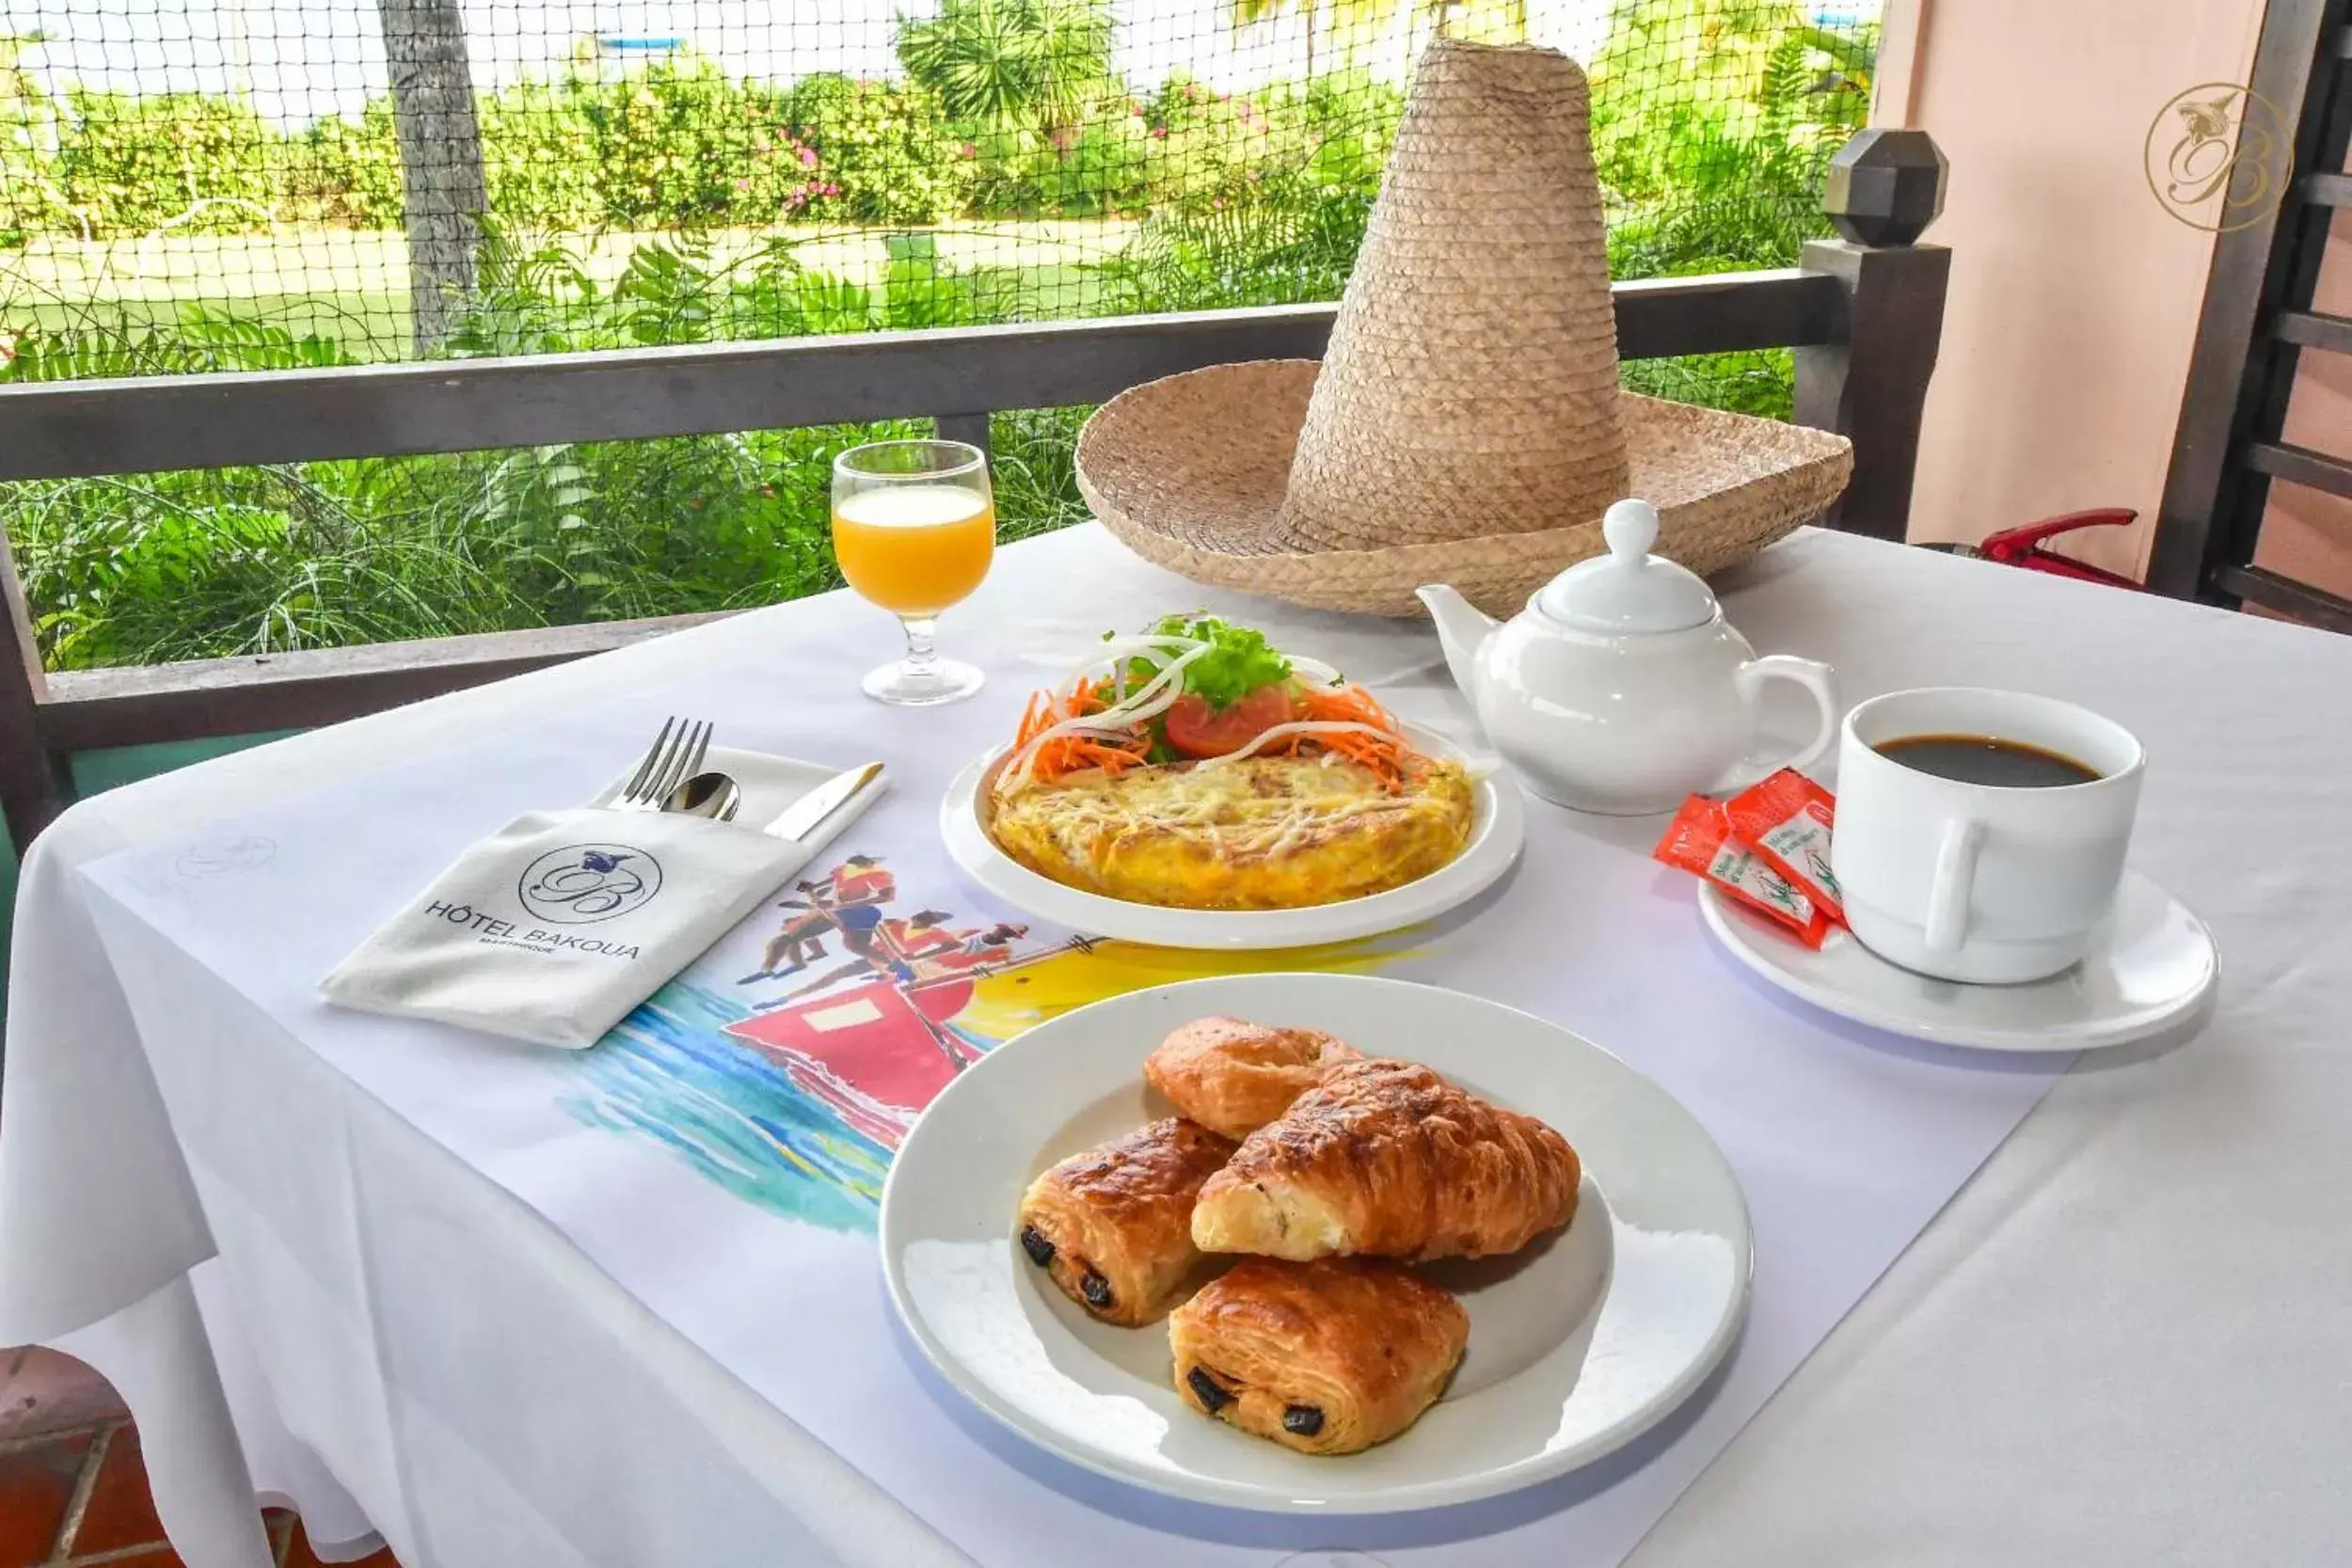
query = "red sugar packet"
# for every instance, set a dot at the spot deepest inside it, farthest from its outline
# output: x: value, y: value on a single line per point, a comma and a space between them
x: 1699, y: 840
x: 1785, y: 819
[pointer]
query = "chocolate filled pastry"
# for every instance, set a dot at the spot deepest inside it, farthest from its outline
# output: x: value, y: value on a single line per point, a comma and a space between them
x: 1114, y: 1225
x: 1234, y: 1077
x: 1388, y: 1158
x: 1326, y: 1357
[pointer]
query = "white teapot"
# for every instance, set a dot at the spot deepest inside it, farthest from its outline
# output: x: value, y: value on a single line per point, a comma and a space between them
x: 1620, y: 687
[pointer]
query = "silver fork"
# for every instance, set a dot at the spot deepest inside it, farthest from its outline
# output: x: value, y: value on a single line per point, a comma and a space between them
x: 675, y: 756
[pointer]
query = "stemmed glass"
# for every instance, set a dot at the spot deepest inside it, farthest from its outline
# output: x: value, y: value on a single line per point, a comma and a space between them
x: 914, y: 528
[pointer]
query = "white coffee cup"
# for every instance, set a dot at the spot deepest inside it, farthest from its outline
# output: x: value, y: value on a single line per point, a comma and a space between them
x: 1978, y: 882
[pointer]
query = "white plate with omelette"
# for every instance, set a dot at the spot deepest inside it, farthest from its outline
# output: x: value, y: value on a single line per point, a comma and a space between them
x: 1577, y: 1343
x: 1497, y: 829
x: 1193, y: 785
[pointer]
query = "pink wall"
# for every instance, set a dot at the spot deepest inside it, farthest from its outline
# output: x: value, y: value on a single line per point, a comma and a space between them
x: 2074, y: 296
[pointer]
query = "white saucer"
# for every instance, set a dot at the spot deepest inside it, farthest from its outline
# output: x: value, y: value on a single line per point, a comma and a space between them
x: 1498, y: 829
x: 2150, y: 966
x: 1577, y: 1345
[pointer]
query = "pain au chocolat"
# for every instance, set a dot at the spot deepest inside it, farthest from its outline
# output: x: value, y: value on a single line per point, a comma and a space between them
x: 1389, y: 1159
x: 1234, y: 1077
x: 1113, y: 1225
x: 1326, y: 1358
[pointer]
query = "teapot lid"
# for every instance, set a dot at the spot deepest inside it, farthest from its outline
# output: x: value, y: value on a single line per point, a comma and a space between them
x: 1629, y: 590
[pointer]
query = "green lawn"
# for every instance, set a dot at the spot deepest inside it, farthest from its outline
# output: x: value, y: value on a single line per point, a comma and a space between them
x: 353, y: 286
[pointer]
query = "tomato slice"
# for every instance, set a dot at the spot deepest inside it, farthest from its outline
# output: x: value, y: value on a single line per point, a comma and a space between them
x: 1197, y: 730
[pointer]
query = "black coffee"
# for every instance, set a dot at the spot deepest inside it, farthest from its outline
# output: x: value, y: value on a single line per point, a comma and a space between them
x: 1983, y: 759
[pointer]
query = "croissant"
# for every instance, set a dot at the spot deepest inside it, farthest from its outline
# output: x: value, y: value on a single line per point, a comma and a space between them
x: 1388, y: 1158
x: 1234, y: 1077
x: 1326, y: 1357
x: 1112, y: 1226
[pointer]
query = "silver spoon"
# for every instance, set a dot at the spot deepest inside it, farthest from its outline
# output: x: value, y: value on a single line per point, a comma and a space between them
x: 711, y: 795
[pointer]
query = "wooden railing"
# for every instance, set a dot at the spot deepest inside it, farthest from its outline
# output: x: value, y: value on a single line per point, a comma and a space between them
x: 1864, y: 321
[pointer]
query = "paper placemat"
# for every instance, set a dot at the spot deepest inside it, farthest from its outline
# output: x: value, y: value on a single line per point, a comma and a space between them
x: 753, y: 1103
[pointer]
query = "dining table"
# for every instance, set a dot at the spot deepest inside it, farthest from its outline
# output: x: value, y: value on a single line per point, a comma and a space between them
x: 2017, y: 1309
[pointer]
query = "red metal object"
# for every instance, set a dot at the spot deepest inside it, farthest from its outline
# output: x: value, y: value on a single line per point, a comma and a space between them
x: 2022, y: 547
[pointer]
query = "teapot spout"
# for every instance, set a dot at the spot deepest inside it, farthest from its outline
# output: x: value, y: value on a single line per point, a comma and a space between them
x: 1462, y: 628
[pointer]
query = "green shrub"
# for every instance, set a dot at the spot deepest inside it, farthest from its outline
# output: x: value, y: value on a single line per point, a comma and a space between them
x: 350, y: 171
x: 542, y: 155
x: 677, y: 143
x: 1287, y: 244
x: 885, y: 147
x: 1713, y: 122
x: 184, y: 160
x: 1207, y: 148
x: 1351, y: 122
x: 31, y: 200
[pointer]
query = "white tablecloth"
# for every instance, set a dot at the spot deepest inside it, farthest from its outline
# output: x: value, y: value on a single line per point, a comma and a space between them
x: 2116, y: 1346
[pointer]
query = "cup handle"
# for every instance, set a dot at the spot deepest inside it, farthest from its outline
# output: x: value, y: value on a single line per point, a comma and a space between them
x: 1955, y: 875
x: 1816, y: 678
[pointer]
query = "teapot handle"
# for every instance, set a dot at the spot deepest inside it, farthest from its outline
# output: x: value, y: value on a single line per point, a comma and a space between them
x: 1816, y: 678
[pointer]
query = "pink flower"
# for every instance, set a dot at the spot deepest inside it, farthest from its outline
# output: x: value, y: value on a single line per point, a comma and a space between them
x: 808, y: 157
x: 967, y: 151
x: 1159, y: 133
x: 742, y: 187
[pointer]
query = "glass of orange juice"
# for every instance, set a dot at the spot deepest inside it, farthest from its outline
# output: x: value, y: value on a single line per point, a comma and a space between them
x: 914, y: 527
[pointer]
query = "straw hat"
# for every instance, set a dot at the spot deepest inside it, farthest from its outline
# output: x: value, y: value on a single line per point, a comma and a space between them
x: 1466, y: 424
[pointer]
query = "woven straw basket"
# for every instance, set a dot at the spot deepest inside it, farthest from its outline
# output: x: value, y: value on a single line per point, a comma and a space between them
x: 1466, y: 424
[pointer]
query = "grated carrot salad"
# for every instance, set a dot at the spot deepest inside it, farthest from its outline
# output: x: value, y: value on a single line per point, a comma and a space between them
x: 1385, y: 754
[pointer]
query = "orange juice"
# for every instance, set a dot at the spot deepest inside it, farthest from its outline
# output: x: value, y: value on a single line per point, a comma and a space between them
x: 915, y: 549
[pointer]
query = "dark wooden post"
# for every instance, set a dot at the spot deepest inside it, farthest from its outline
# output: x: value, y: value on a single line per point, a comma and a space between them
x: 1886, y: 187
x: 971, y: 429
x: 33, y: 783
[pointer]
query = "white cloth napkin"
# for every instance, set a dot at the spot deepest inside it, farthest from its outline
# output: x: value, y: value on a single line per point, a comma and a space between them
x: 552, y: 928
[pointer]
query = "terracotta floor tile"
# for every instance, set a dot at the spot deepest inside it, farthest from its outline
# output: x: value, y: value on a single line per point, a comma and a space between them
x: 298, y: 1554
x: 121, y: 1514
x: 36, y: 1486
x: 43, y: 1390
x: 162, y: 1556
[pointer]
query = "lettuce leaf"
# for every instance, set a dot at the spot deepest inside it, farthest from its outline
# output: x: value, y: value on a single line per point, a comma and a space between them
x: 1239, y: 661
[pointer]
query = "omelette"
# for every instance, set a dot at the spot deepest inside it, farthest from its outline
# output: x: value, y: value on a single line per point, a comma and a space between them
x: 1261, y: 833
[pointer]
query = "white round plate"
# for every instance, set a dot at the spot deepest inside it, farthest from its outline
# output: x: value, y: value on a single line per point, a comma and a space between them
x: 1497, y: 828
x: 1577, y: 1344
x: 2149, y: 967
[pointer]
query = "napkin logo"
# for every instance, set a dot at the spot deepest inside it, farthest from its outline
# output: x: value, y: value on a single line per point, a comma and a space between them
x: 583, y: 883
x: 225, y: 857
x: 2218, y: 157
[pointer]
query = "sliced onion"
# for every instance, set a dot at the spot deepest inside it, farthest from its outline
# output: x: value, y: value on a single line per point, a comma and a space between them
x: 1306, y: 726
x: 1118, y: 722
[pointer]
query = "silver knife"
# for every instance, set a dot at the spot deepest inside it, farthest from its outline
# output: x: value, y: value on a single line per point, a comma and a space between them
x: 804, y: 817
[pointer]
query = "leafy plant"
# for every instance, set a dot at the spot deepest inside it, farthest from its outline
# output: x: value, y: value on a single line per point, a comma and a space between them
x: 180, y: 160
x: 885, y: 147
x: 1033, y: 65
x: 1713, y: 122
